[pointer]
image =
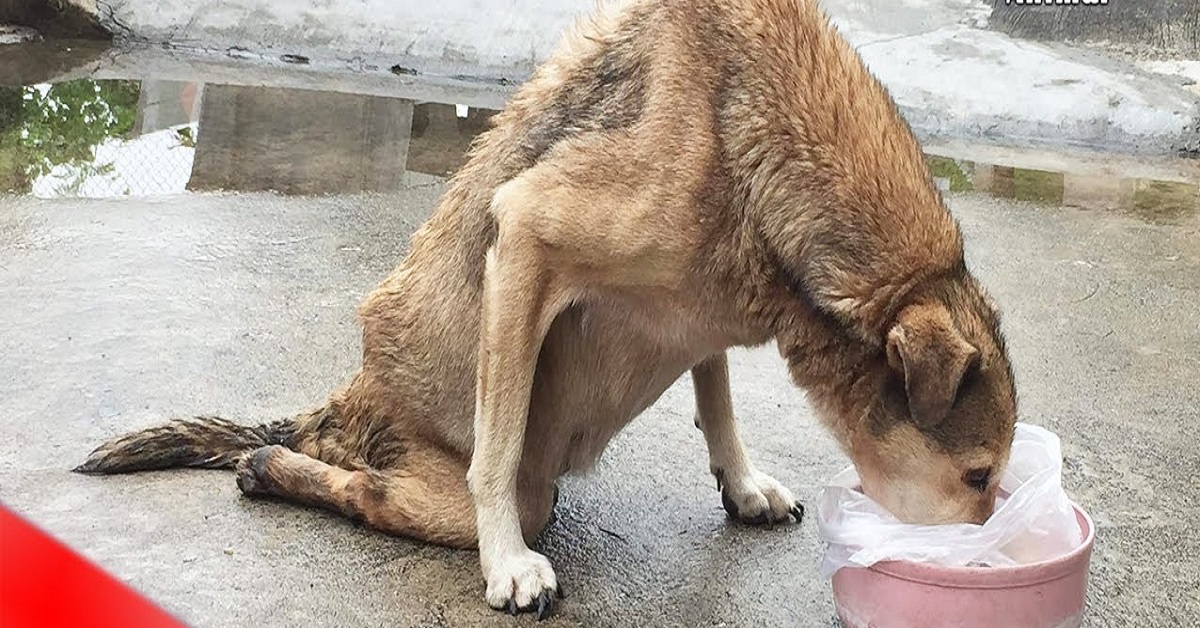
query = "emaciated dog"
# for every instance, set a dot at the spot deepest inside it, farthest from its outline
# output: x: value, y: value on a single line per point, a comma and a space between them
x: 679, y: 178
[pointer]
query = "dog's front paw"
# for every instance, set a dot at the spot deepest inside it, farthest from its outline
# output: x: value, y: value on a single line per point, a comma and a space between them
x: 757, y: 499
x: 523, y: 583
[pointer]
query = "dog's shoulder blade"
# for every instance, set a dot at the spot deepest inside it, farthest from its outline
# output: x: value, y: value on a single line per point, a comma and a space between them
x: 597, y: 80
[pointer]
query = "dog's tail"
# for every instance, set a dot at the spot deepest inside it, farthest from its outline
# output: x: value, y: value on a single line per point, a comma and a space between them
x: 205, y: 442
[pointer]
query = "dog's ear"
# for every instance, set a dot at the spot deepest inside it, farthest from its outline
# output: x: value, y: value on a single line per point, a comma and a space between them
x: 928, y: 351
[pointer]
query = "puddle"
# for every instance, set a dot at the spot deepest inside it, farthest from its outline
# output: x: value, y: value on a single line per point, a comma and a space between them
x: 111, y: 138
x: 1153, y: 200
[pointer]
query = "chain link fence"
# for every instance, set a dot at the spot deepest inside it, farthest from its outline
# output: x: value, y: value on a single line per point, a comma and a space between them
x: 96, y: 139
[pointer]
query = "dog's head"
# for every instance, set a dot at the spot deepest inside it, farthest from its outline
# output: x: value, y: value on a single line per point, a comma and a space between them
x: 936, y: 438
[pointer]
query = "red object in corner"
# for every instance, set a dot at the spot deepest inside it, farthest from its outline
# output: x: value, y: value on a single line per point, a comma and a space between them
x: 43, y: 583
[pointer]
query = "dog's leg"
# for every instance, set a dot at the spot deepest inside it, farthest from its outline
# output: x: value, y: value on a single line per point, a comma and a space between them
x: 561, y: 232
x: 747, y: 494
x: 425, y: 499
x: 519, y: 304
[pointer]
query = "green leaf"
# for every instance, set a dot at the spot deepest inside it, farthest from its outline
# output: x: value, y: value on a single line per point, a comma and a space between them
x: 41, y: 129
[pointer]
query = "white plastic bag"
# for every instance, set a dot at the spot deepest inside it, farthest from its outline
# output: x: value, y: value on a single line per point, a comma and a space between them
x: 1035, y: 522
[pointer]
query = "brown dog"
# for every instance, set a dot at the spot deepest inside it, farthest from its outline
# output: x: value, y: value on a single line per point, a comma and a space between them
x: 681, y: 177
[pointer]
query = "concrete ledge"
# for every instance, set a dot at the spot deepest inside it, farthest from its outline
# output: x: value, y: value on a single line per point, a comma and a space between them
x: 471, y: 38
x: 961, y: 82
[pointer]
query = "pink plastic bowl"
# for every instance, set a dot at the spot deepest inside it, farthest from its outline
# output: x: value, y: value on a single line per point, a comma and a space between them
x: 1049, y: 594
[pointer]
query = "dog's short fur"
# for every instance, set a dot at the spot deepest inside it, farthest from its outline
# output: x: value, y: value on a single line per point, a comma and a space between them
x: 681, y: 177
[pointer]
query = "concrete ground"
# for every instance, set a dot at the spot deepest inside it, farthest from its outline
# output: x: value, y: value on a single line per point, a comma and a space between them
x: 117, y: 314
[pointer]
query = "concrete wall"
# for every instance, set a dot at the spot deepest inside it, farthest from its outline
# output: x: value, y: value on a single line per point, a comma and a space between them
x: 495, y: 39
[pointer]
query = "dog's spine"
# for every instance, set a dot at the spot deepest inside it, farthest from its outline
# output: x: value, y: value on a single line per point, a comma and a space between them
x: 205, y: 442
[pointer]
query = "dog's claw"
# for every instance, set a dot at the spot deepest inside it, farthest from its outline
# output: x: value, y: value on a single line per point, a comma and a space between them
x: 797, y: 511
x: 545, y: 604
x: 728, y: 504
x: 542, y: 606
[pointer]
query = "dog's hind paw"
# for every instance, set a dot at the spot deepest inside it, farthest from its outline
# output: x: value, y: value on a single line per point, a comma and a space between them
x: 252, y: 477
x: 758, y: 499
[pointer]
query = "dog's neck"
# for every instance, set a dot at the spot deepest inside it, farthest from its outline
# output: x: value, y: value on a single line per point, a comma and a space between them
x: 832, y: 186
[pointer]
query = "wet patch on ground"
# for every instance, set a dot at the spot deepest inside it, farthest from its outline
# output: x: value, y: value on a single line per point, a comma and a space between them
x: 1153, y: 200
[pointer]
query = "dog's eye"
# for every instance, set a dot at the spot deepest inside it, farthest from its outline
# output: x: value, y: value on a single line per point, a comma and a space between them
x: 978, y: 479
